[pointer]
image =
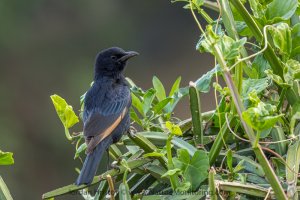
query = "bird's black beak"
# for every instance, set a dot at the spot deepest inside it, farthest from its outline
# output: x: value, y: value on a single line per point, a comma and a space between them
x: 128, y: 54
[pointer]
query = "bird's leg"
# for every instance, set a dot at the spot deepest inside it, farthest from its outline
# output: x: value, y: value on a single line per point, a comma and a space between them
x: 115, y: 164
x: 131, y: 131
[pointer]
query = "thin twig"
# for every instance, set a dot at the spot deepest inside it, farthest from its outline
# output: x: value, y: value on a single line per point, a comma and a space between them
x: 111, y: 187
x: 223, y: 160
x: 211, y: 5
x: 281, y: 158
x: 268, y: 194
x: 257, y: 53
x: 217, y: 79
x: 219, y: 17
x: 264, y: 148
x: 218, y: 189
x: 196, y: 19
x: 245, y: 140
x: 228, y: 125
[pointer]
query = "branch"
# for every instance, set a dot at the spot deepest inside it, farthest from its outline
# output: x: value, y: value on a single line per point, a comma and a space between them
x: 113, y: 172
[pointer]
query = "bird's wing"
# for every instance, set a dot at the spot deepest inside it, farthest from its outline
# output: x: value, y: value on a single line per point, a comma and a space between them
x: 103, y: 119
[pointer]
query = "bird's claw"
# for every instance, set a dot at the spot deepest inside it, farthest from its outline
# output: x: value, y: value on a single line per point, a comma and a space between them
x: 114, y: 165
x: 132, y: 131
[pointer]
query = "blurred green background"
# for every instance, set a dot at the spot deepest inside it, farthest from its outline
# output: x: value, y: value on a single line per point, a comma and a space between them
x: 49, y: 47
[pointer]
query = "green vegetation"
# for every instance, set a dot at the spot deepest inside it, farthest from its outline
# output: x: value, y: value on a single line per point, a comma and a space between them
x: 248, y: 146
x: 6, y: 158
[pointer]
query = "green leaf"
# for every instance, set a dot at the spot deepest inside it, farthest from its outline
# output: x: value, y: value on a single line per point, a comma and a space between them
x: 298, y: 9
x: 239, y: 166
x: 254, y: 84
x: 137, y: 103
x: 243, y: 29
x: 192, y: 196
x: 115, y: 152
x: 258, y: 9
x: 195, y: 107
x: 277, y: 79
x: 260, y: 64
x: 159, y: 139
x: 101, y: 190
x: 160, y: 90
x: 254, y: 98
x: 173, y: 128
x: 281, y: 34
x: 279, y: 10
x: 180, y: 143
x: 278, y: 135
x: 248, y: 163
x: 182, y: 158
x: 113, y: 172
x: 261, y: 117
x: 65, y: 113
x: 202, y: 85
x: 135, y: 117
x: 291, y: 71
x: 265, y: 133
x: 153, y: 154
x: 80, y: 149
x: 161, y: 105
x: 175, y: 86
x: 6, y: 158
x: 296, y: 39
x: 198, y: 3
x: 229, y: 160
x: 195, y: 170
x: 156, y: 171
x: 171, y: 172
x: 295, y: 117
x: 279, y: 166
x: 124, y: 193
x: 231, y: 48
x: 148, y: 99
x: 228, y: 46
x: 296, y: 108
x: 185, y: 186
x: 293, y: 161
x: 82, y: 97
x: 205, y: 43
x: 146, y: 145
x: 124, y: 163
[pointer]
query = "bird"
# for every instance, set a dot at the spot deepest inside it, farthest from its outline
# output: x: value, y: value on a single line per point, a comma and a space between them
x: 106, y: 109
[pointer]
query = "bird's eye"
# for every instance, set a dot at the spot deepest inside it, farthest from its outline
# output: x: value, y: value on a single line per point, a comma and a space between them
x: 114, y: 57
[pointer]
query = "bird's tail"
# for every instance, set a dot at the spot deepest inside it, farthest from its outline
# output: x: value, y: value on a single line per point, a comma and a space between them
x: 91, y: 163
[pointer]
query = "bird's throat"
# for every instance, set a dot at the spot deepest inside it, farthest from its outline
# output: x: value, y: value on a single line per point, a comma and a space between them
x: 108, y: 75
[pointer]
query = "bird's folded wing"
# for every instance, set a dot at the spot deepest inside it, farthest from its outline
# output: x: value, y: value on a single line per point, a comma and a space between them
x: 92, y: 142
x: 103, y: 119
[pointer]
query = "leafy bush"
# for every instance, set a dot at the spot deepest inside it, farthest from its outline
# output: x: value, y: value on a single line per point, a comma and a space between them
x: 248, y: 147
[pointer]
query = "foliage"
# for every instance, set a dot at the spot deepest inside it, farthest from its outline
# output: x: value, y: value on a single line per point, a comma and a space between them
x: 248, y: 144
x: 65, y: 113
x: 6, y: 158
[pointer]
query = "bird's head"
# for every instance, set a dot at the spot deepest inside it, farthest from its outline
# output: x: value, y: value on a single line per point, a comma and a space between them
x: 112, y: 61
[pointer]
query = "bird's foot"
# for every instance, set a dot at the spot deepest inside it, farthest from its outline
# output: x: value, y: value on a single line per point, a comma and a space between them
x: 132, y: 131
x: 115, y: 165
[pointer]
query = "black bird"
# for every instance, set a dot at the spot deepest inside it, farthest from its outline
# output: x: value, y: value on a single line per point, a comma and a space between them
x: 106, y: 109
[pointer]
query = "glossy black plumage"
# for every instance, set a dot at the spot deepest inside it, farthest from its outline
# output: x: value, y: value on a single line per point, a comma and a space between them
x: 106, y: 107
